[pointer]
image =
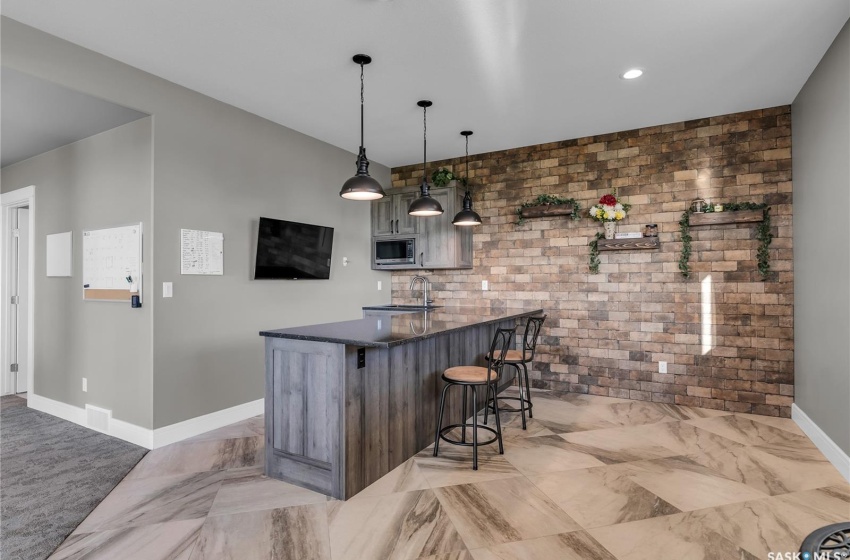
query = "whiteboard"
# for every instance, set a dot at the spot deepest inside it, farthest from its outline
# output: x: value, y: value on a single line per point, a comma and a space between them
x: 109, y: 257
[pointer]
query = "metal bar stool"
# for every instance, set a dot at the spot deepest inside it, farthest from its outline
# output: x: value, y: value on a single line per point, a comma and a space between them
x: 519, y: 359
x: 473, y: 377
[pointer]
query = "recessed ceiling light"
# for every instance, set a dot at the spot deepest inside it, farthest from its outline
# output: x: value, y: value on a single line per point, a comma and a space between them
x: 632, y: 74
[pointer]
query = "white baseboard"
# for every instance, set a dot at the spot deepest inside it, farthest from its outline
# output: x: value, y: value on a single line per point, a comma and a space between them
x: 201, y: 424
x: 829, y: 448
x: 147, y: 438
x: 137, y: 435
x: 62, y: 410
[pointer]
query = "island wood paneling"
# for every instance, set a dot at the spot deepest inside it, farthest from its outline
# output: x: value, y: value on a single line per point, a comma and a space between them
x: 337, y: 429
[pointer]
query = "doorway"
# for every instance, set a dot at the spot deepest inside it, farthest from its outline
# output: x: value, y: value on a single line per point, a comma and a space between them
x: 16, y: 235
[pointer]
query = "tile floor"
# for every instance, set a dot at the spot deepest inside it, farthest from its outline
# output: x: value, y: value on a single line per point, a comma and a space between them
x: 591, y: 478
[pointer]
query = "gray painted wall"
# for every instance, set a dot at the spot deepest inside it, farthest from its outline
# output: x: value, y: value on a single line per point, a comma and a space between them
x: 219, y: 168
x: 101, y: 181
x: 821, y: 162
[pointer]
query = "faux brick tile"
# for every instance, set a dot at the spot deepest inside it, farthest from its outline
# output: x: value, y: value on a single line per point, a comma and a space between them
x: 607, y: 331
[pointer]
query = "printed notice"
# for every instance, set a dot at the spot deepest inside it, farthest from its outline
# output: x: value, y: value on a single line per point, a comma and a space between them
x: 201, y: 252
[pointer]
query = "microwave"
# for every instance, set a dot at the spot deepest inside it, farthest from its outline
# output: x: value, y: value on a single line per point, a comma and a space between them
x: 394, y: 251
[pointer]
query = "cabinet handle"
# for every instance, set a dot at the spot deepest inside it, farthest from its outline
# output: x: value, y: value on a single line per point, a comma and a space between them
x: 421, y: 259
x: 396, y: 226
x: 391, y: 227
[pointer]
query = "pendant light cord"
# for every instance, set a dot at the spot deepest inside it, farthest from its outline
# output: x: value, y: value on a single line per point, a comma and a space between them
x: 424, y: 141
x: 468, y: 185
x: 361, y: 105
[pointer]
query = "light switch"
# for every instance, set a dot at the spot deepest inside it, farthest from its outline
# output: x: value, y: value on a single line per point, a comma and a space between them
x: 485, y: 285
x: 167, y: 289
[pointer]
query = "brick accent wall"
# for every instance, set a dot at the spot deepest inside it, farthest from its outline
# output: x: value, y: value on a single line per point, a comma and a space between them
x: 607, y: 332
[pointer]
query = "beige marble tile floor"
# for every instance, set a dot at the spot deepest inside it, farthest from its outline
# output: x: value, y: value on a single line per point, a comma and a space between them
x: 591, y: 478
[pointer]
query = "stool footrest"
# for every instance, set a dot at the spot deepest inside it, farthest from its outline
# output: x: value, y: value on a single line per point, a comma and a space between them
x: 526, y: 404
x: 447, y: 429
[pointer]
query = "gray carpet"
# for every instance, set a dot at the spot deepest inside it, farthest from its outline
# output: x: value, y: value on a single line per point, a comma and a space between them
x: 52, y: 475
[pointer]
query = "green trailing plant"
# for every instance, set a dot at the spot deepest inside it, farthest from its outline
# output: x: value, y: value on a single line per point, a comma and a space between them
x: 442, y: 177
x: 594, y: 253
x: 763, y: 234
x: 547, y: 200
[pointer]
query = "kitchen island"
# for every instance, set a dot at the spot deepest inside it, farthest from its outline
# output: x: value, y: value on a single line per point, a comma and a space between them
x: 348, y: 402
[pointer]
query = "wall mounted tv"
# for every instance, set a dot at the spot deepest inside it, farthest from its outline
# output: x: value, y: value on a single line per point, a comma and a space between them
x: 293, y: 251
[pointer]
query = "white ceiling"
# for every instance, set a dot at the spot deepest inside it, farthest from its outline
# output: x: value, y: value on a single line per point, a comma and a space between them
x: 517, y: 72
x: 39, y: 116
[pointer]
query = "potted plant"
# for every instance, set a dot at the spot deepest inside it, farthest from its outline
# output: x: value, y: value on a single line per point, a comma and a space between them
x: 442, y: 177
x: 609, y: 211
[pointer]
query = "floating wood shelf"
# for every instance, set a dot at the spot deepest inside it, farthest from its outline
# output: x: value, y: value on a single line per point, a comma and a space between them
x: 628, y: 244
x: 547, y: 211
x: 717, y: 218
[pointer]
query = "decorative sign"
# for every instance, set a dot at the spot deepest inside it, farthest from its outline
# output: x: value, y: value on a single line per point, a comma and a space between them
x: 201, y: 252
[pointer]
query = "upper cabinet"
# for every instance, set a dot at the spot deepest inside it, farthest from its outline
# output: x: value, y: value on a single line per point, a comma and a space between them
x: 439, y: 243
x: 390, y: 217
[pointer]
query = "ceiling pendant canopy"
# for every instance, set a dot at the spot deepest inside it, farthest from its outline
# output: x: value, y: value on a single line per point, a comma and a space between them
x: 362, y: 186
x: 425, y: 205
x: 467, y: 216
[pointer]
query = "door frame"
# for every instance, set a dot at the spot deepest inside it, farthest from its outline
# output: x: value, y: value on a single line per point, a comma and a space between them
x: 9, y: 202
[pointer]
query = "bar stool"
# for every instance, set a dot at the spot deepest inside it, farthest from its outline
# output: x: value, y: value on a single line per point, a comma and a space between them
x: 473, y: 377
x: 519, y: 359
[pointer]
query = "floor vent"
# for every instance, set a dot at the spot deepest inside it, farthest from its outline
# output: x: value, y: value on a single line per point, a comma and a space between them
x: 98, y: 418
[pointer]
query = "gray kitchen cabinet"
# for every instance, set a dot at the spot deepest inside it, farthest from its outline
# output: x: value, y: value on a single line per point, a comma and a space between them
x: 440, y: 244
x: 390, y: 217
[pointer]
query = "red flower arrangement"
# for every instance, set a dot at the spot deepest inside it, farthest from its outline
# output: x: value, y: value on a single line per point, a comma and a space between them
x: 608, y: 200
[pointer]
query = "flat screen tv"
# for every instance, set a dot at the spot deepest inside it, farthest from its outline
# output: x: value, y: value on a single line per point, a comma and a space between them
x: 293, y: 251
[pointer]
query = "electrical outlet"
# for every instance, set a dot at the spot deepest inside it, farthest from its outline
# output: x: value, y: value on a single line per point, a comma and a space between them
x: 662, y: 367
x: 485, y: 285
x: 85, y: 385
x: 379, y: 285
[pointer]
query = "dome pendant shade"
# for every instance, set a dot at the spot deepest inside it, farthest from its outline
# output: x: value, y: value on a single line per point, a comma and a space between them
x: 425, y: 205
x: 362, y: 186
x: 467, y: 216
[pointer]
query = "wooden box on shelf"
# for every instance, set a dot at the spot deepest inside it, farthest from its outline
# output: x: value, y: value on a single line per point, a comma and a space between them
x: 547, y: 210
x: 734, y: 217
x: 628, y: 244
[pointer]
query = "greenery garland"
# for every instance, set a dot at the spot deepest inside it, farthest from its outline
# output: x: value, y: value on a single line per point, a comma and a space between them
x: 548, y: 199
x: 594, y: 253
x: 763, y: 234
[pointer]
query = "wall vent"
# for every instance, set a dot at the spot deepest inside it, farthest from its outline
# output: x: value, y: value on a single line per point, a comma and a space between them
x: 98, y: 418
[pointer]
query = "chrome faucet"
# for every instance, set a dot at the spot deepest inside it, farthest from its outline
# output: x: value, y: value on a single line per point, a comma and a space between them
x: 425, y: 301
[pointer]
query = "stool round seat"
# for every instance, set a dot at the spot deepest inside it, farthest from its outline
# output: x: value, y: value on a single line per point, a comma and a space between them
x: 511, y: 356
x: 470, y: 374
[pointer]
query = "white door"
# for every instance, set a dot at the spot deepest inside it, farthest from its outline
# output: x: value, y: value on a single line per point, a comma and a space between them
x: 21, y: 341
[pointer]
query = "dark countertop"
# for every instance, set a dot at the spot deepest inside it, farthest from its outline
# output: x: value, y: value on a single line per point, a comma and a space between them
x: 393, y: 327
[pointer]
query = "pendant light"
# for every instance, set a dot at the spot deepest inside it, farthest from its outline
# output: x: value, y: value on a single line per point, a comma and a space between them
x: 467, y: 216
x: 425, y: 205
x: 362, y: 186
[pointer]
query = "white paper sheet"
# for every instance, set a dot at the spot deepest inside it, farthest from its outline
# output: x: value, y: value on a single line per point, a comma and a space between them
x: 201, y: 252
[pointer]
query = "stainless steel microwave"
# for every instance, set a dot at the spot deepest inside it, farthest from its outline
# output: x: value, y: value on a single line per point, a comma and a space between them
x: 394, y: 251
